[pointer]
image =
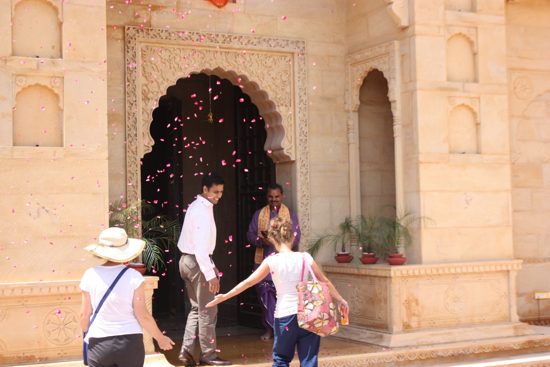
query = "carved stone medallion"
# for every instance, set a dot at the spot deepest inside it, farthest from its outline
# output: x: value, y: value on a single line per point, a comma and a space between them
x: 456, y: 299
x: 61, y: 325
x: 523, y: 88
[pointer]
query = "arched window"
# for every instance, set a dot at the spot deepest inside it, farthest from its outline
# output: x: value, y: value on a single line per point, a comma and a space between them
x: 461, y: 64
x: 37, y: 118
x: 463, y: 131
x: 36, y: 30
x: 376, y: 144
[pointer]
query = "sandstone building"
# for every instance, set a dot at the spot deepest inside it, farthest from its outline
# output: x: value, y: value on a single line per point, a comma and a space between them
x: 441, y: 107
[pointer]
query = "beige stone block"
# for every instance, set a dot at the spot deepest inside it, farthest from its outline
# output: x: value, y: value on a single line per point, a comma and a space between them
x: 197, y: 20
x: 533, y: 152
x: 443, y: 245
x: 465, y: 158
x: 124, y: 14
x: 492, y: 55
x: 319, y: 220
x: 524, y: 42
x: 490, y: 7
x: 530, y: 14
x: 82, y: 29
x: 326, y: 48
x: 5, y: 26
x: 546, y: 175
x: 530, y: 222
x: 323, y: 9
x: 429, y: 12
x: 526, y: 176
x: 467, y: 177
x: 339, y: 124
x: 432, y: 127
x: 33, y: 176
x: 85, y: 109
x: 37, y: 215
x: 493, y: 127
x: 429, y: 58
x: 6, y: 107
x: 320, y: 123
x: 334, y: 83
x: 262, y: 25
x: 313, y: 29
x: 329, y: 149
x: 467, y: 209
x: 327, y: 185
x: 380, y: 24
x: 541, y: 199
x: 521, y: 199
x: 525, y: 246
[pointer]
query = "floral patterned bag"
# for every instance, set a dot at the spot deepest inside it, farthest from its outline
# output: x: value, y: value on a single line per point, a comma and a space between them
x: 317, y: 311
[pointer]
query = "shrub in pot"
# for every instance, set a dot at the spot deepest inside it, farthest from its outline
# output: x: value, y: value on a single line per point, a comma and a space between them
x: 160, y: 233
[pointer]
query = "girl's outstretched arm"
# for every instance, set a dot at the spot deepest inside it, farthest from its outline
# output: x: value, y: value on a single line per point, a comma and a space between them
x: 254, y: 278
x: 320, y: 276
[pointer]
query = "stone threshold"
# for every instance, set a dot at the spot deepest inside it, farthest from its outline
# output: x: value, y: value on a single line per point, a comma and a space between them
x: 514, y: 351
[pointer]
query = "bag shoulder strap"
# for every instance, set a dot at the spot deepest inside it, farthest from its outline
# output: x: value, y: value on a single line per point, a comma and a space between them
x: 304, y: 264
x: 107, y: 294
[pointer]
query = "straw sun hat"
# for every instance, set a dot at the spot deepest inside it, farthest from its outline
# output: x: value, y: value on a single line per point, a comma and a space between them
x: 114, y: 245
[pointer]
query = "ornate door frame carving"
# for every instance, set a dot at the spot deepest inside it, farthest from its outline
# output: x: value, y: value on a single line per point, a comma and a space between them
x: 272, y: 71
x: 385, y: 58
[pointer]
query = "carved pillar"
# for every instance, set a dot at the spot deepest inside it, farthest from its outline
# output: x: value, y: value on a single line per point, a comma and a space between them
x: 354, y: 170
x: 147, y: 338
x: 398, y: 149
x: 512, y: 293
x: 395, y: 324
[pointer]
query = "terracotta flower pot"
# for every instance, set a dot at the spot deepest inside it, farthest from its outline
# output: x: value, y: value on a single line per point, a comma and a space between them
x: 368, y: 258
x: 220, y: 3
x: 393, y: 256
x: 139, y: 267
x: 343, y: 257
x: 396, y: 260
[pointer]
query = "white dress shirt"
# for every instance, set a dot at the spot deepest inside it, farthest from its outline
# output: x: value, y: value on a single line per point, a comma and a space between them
x: 198, y: 235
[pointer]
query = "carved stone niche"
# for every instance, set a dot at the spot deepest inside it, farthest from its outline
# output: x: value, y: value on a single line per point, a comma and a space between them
x: 414, y: 305
x: 46, y: 314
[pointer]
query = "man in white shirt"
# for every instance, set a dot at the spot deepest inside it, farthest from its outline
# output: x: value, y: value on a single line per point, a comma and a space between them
x: 197, y: 243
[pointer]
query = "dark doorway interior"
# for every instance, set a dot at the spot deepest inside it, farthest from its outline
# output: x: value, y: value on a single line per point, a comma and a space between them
x: 187, y: 146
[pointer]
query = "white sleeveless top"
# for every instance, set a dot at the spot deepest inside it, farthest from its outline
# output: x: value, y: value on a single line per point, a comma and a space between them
x: 286, y: 271
x: 116, y: 316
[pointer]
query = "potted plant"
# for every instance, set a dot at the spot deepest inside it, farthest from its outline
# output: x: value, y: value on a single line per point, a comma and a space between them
x: 337, y: 239
x: 159, y: 233
x: 369, y: 231
x: 396, y: 235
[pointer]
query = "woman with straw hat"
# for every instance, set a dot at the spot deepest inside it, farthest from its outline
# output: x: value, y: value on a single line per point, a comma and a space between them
x: 115, y: 297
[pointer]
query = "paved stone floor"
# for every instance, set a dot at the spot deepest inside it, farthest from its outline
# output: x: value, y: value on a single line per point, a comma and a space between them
x: 242, y: 346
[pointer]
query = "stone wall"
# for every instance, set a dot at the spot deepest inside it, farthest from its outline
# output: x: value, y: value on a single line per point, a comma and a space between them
x: 53, y: 138
x: 53, y: 159
x: 528, y: 57
x: 458, y: 103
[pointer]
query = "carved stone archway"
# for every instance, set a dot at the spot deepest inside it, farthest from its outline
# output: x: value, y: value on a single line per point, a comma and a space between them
x: 386, y: 59
x: 272, y: 71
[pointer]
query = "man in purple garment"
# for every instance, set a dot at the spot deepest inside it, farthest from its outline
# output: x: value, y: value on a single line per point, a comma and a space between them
x: 267, y: 294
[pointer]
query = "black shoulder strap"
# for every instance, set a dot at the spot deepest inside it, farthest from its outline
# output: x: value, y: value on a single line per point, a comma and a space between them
x: 107, y: 294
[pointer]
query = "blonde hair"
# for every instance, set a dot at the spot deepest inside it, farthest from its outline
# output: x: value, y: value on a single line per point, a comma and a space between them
x: 280, y: 229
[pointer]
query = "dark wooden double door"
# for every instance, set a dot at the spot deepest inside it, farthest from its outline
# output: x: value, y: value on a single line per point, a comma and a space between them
x: 187, y: 146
